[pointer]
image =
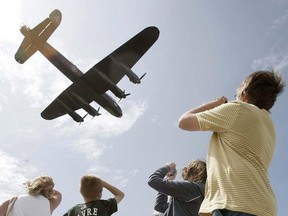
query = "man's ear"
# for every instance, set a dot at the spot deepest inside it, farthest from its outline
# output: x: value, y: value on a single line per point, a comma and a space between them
x: 244, y: 98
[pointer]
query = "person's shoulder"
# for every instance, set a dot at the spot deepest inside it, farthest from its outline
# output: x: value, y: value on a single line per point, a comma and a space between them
x: 106, y: 202
x: 239, y: 103
x: 245, y: 106
x: 75, y: 209
x: 77, y: 206
x: 187, y: 183
x: 195, y: 183
x: 199, y: 184
x: 234, y: 105
x: 192, y: 187
x: 109, y: 200
x: 22, y: 195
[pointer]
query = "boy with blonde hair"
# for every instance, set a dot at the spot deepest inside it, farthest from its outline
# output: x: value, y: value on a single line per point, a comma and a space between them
x: 91, y: 187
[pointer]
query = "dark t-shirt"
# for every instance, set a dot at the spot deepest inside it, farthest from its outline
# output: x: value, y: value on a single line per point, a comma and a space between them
x: 93, y: 208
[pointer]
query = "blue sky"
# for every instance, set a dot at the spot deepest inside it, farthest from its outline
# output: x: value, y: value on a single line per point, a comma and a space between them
x: 205, y: 50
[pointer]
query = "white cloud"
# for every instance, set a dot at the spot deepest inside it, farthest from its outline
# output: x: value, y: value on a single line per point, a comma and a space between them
x: 280, y: 21
x: 272, y: 61
x: 100, y: 127
x: 98, y: 169
x: 26, y: 79
x: 26, y: 132
x: 123, y: 178
x: 105, y: 125
x: 90, y: 147
x: 9, y: 19
x: 3, y: 100
x: 156, y: 119
x: 13, y: 175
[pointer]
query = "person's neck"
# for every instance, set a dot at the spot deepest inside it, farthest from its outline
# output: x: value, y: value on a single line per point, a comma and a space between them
x: 89, y: 200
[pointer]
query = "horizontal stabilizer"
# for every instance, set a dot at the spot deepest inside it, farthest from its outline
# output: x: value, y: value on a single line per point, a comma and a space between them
x: 38, y: 34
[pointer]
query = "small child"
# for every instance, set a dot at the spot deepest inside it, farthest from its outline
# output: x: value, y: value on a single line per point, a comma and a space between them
x: 91, y: 188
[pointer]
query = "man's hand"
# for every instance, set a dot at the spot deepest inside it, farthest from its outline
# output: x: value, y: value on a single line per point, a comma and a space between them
x: 171, y: 175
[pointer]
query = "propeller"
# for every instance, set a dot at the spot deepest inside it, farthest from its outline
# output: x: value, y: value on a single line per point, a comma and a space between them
x: 84, y: 116
x: 125, y: 95
x: 142, y: 76
x: 83, y: 119
x: 97, y: 112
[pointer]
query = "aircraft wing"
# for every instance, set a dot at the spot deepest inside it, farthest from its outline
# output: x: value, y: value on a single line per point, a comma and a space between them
x: 42, y: 32
x: 114, y: 66
x: 64, y: 101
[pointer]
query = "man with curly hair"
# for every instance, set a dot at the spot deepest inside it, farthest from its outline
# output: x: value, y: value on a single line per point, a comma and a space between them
x: 42, y: 199
x: 185, y: 195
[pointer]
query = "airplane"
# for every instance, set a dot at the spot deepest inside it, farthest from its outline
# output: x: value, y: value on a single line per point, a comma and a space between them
x: 92, y: 85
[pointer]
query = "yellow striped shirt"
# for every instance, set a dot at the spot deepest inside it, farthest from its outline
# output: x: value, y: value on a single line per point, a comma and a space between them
x: 240, y: 152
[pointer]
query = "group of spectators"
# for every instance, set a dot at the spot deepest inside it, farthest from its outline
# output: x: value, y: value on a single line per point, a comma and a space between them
x: 231, y: 181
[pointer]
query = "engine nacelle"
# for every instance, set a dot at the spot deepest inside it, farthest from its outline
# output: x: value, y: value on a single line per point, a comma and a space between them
x: 128, y: 72
x: 75, y: 116
x: 86, y: 106
x: 111, y: 85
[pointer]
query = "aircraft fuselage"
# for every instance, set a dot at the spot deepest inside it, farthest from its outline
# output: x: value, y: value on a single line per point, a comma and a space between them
x: 73, y: 73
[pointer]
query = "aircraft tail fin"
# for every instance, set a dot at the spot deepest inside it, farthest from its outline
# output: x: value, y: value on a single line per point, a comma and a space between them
x: 41, y: 33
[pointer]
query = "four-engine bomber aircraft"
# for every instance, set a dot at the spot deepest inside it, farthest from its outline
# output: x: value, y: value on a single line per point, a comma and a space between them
x: 92, y: 85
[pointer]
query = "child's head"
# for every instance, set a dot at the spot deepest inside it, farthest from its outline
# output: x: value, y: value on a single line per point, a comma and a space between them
x: 261, y: 88
x: 195, y: 171
x: 42, y: 185
x: 91, y: 187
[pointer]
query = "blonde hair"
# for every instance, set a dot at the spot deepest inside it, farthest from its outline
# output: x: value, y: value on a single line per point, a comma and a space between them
x: 42, y: 185
x: 91, y: 187
x: 195, y: 171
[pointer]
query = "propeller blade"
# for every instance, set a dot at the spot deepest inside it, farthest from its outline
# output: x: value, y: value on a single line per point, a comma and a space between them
x: 142, y: 76
x: 125, y: 95
x: 84, y: 116
x: 98, y: 111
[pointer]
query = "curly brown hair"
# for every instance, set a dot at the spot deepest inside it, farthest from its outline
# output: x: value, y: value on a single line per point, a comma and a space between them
x: 195, y: 171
